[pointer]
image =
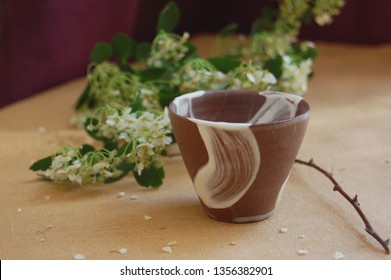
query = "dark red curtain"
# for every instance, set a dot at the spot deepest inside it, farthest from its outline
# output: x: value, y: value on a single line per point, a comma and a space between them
x: 44, y: 43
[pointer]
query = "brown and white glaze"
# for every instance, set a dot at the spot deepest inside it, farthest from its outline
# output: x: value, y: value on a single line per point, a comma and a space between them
x: 239, y: 147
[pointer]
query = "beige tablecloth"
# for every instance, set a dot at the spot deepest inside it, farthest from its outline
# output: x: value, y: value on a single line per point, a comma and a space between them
x: 349, y: 134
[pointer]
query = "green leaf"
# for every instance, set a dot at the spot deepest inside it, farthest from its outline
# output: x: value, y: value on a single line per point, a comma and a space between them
x: 126, y: 68
x: 93, y: 122
x: 44, y: 177
x: 142, y: 51
x: 109, y: 144
x: 299, y: 54
x: 274, y: 66
x: 123, y: 47
x: 191, y: 50
x: 86, y: 148
x: 166, y: 96
x: 102, y: 51
x: 168, y: 18
x: 137, y: 104
x: 94, y: 133
x: 224, y: 63
x: 312, y: 53
x: 228, y: 29
x: 305, y: 54
x: 125, y: 149
x: 151, y: 74
x: 307, y: 16
x: 150, y: 177
x: 123, y: 166
x: 83, y: 98
x: 42, y: 164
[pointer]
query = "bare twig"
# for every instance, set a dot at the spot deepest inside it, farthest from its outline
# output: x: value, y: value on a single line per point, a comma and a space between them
x: 353, y: 201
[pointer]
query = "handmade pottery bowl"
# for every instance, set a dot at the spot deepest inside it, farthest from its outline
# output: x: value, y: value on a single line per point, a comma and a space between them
x: 239, y: 147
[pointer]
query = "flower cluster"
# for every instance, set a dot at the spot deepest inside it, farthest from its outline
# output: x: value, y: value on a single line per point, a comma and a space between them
x: 248, y: 76
x: 147, y: 132
x: 168, y: 47
x: 111, y: 85
x: 142, y: 136
x: 70, y: 164
x: 294, y: 76
x: 198, y: 73
x: 267, y: 44
x: 324, y: 10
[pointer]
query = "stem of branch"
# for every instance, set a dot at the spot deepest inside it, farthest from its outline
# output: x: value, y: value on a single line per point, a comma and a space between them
x: 353, y: 201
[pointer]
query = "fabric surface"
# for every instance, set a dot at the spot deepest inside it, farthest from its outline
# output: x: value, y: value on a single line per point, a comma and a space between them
x: 348, y: 134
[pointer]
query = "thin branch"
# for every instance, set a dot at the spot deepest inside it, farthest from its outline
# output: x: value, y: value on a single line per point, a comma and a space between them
x: 353, y: 201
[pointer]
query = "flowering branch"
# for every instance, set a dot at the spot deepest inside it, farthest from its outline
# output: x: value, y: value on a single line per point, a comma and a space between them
x: 133, y: 142
x: 353, y: 201
x: 130, y: 84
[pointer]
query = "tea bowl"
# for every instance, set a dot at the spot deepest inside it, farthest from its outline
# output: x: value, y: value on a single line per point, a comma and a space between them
x: 239, y: 147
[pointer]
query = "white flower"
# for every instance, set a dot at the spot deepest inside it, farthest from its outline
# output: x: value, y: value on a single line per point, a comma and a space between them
x: 75, y: 178
x: 198, y: 74
x: 110, y: 121
x: 148, y: 133
x: 167, y: 47
x: 269, y: 78
x: 140, y: 168
x: 251, y: 77
x: 248, y: 76
x: 99, y: 166
x: 325, y: 10
x: 324, y: 19
x: 294, y: 78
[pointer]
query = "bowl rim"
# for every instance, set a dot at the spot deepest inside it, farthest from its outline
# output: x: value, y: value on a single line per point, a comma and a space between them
x: 303, y: 115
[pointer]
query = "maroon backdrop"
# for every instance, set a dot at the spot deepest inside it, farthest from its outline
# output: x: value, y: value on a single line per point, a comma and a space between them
x: 47, y: 42
x: 44, y: 43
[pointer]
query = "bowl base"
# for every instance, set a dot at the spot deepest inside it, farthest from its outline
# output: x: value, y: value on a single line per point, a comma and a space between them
x: 242, y: 220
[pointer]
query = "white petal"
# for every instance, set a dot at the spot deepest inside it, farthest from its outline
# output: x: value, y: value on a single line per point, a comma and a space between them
x: 110, y: 122
x: 79, y: 257
x: 251, y: 77
x: 167, y: 249
x: 121, y: 194
x: 41, y: 129
x: 123, y: 250
x: 339, y: 256
x: 302, y: 252
x: 283, y: 230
